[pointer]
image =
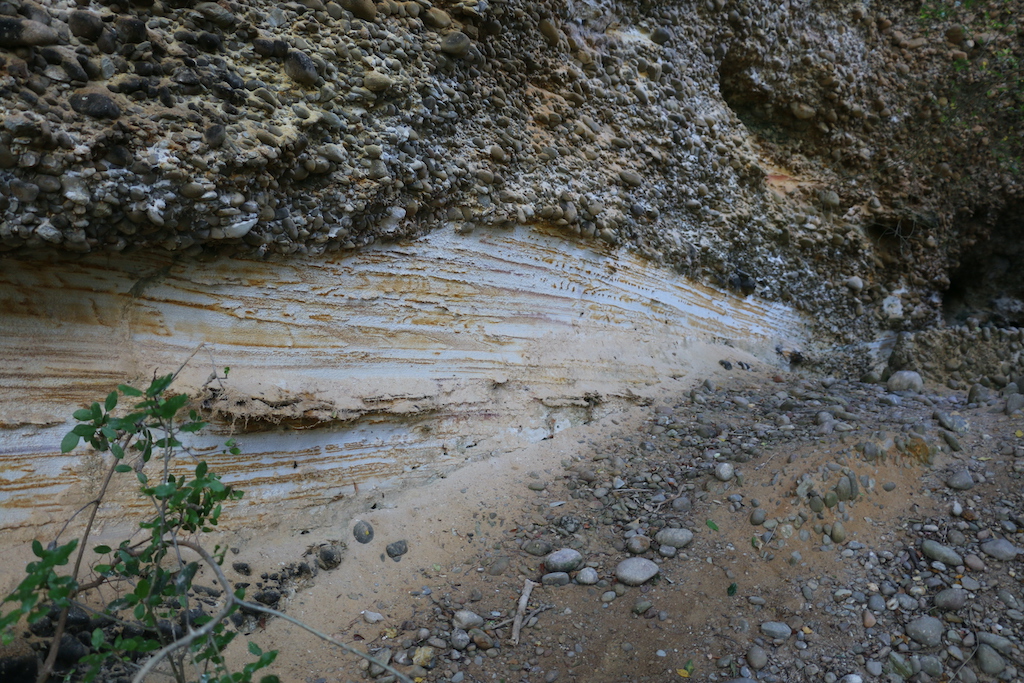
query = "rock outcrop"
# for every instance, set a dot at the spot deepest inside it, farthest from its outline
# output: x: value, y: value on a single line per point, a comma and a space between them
x: 776, y: 148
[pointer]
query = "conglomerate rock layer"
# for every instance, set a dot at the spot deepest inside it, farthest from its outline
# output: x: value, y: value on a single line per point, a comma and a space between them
x: 844, y: 156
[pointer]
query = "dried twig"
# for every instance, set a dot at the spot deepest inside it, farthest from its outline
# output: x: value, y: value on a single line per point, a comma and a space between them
x: 517, y: 624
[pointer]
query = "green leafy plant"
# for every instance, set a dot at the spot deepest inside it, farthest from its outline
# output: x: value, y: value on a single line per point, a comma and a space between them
x: 150, y: 619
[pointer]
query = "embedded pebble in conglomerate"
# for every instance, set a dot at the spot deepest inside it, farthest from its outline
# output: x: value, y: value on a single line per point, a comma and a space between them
x: 581, y: 130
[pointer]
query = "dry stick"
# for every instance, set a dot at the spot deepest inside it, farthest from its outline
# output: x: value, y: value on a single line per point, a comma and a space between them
x: 955, y: 675
x: 517, y: 624
x: 526, y: 619
x: 51, y: 657
x: 207, y: 628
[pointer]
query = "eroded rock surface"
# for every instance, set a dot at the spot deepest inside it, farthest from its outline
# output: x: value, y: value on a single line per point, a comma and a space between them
x: 775, y: 148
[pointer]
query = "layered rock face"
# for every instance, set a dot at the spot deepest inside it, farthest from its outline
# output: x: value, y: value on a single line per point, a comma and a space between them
x: 843, y: 156
x: 388, y: 209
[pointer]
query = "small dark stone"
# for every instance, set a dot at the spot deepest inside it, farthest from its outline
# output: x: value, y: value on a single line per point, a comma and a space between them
x: 96, y: 105
x: 397, y: 549
x: 43, y: 628
x: 537, y: 546
x: 119, y: 156
x: 362, y: 9
x: 242, y: 568
x: 15, y: 32
x: 363, y: 532
x: 456, y: 44
x: 107, y: 42
x: 77, y: 619
x: 85, y: 25
x: 268, y: 597
x: 23, y: 127
x: 7, y: 157
x: 169, y: 630
x: 51, y: 55
x: 263, y: 47
x: 300, y: 68
x: 329, y: 557
x: 209, y: 42
x: 661, y: 35
x: 75, y: 71
x: 131, y: 30
x: 215, y: 135
x: 70, y: 649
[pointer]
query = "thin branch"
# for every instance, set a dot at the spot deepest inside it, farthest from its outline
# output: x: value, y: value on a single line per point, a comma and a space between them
x: 207, y: 628
x: 957, y: 673
x: 517, y: 625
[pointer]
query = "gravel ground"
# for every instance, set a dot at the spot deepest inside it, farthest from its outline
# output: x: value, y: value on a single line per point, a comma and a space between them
x: 767, y: 527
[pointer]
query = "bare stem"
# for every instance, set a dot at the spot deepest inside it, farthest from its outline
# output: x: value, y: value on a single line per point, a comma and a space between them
x: 207, y: 628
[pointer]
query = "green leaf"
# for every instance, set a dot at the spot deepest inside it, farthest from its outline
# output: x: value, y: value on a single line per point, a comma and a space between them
x: 201, y: 469
x: 111, y: 401
x: 84, y: 430
x: 254, y: 649
x: 159, y: 385
x: 69, y: 442
x: 172, y: 405
x: 82, y: 414
x: 117, y: 450
x: 121, y: 467
x: 711, y: 525
x: 128, y: 391
x: 97, y: 412
x: 271, y: 678
x: 165, y: 490
x: 101, y: 549
x: 731, y: 590
x: 143, y: 479
x: 192, y: 427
